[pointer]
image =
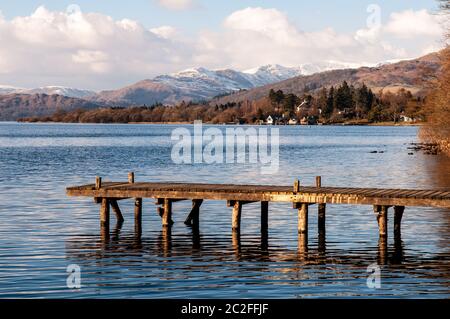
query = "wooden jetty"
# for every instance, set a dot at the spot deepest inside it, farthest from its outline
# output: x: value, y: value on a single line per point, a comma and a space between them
x: 110, y: 193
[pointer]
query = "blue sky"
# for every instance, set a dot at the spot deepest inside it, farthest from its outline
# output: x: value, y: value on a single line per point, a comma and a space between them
x: 113, y: 43
x: 342, y: 15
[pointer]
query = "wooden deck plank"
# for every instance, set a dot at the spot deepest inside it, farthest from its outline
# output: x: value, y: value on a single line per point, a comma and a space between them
x: 307, y: 194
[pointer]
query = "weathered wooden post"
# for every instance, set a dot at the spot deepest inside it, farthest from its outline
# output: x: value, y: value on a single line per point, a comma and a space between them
x: 296, y: 186
x: 236, y: 218
x: 264, y: 217
x: 318, y: 181
x: 321, y: 209
x: 116, y: 209
x: 302, y: 218
x: 398, y: 214
x: 131, y: 177
x: 167, y: 214
x: 302, y: 211
x: 138, y: 215
x: 193, y: 217
x: 98, y: 182
x: 104, y: 212
x: 321, y: 218
x: 382, y: 219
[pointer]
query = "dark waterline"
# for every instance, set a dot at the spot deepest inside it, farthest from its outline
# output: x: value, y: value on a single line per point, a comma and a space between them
x: 42, y: 231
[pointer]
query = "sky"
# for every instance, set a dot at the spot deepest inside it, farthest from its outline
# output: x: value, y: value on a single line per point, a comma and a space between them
x: 107, y: 44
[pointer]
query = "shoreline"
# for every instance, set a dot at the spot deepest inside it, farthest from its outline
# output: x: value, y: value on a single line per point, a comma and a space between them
x: 225, y: 124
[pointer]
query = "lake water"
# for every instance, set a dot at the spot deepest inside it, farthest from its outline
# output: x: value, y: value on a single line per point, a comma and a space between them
x: 42, y: 231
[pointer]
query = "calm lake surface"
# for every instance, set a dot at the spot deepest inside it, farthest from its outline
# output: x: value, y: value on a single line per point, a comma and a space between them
x: 42, y: 231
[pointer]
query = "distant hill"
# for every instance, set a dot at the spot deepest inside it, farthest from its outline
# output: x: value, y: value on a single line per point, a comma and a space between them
x: 200, y: 84
x: 49, y: 90
x: 413, y: 75
x: 14, y: 106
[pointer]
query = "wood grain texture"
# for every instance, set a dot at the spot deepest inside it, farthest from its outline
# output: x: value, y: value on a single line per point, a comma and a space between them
x: 269, y: 193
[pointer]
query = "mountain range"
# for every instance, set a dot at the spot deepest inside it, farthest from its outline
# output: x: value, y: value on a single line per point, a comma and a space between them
x: 413, y: 75
x: 200, y: 84
x: 49, y: 90
x: 220, y: 86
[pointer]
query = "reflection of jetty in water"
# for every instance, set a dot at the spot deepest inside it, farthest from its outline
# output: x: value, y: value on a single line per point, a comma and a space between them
x: 251, y: 248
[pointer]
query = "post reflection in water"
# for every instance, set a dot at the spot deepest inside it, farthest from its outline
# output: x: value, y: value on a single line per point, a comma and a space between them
x: 165, y: 241
x: 236, y: 243
x: 302, y: 246
x: 196, y: 240
x: 164, y: 244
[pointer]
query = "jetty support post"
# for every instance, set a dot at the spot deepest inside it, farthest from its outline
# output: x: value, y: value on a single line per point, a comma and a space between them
x: 398, y: 214
x: 104, y: 213
x: 116, y: 209
x: 321, y: 210
x: 236, y: 218
x: 264, y: 217
x: 193, y: 217
x: 105, y: 205
x: 138, y: 215
x: 237, y: 210
x: 104, y: 219
x: 131, y: 177
x: 321, y: 218
x: 167, y: 213
x: 296, y: 186
x: 302, y: 217
x: 382, y: 219
x: 98, y: 182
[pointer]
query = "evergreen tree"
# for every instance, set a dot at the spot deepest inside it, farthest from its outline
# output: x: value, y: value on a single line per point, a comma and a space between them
x: 322, y: 101
x: 330, y: 103
x: 364, y: 100
x: 276, y: 97
x: 344, y: 98
x: 290, y: 101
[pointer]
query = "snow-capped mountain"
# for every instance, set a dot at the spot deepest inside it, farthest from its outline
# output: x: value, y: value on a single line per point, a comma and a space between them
x: 204, y: 83
x: 227, y: 80
x: 7, y: 89
x: 59, y: 90
x: 49, y: 90
x: 198, y: 84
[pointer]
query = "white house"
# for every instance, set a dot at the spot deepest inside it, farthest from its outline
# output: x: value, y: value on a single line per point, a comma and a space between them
x: 293, y: 122
x: 405, y: 118
x: 269, y: 120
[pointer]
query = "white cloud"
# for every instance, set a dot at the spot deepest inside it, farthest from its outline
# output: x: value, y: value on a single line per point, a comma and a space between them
x: 84, y: 49
x: 256, y: 36
x: 165, y: 32
x: 176, y: 4
x: 95, y: 51
x: 409, y: 24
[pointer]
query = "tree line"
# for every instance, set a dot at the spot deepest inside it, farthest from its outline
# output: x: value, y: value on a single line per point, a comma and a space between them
x: 339, y: 104
x: 347, y: 102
